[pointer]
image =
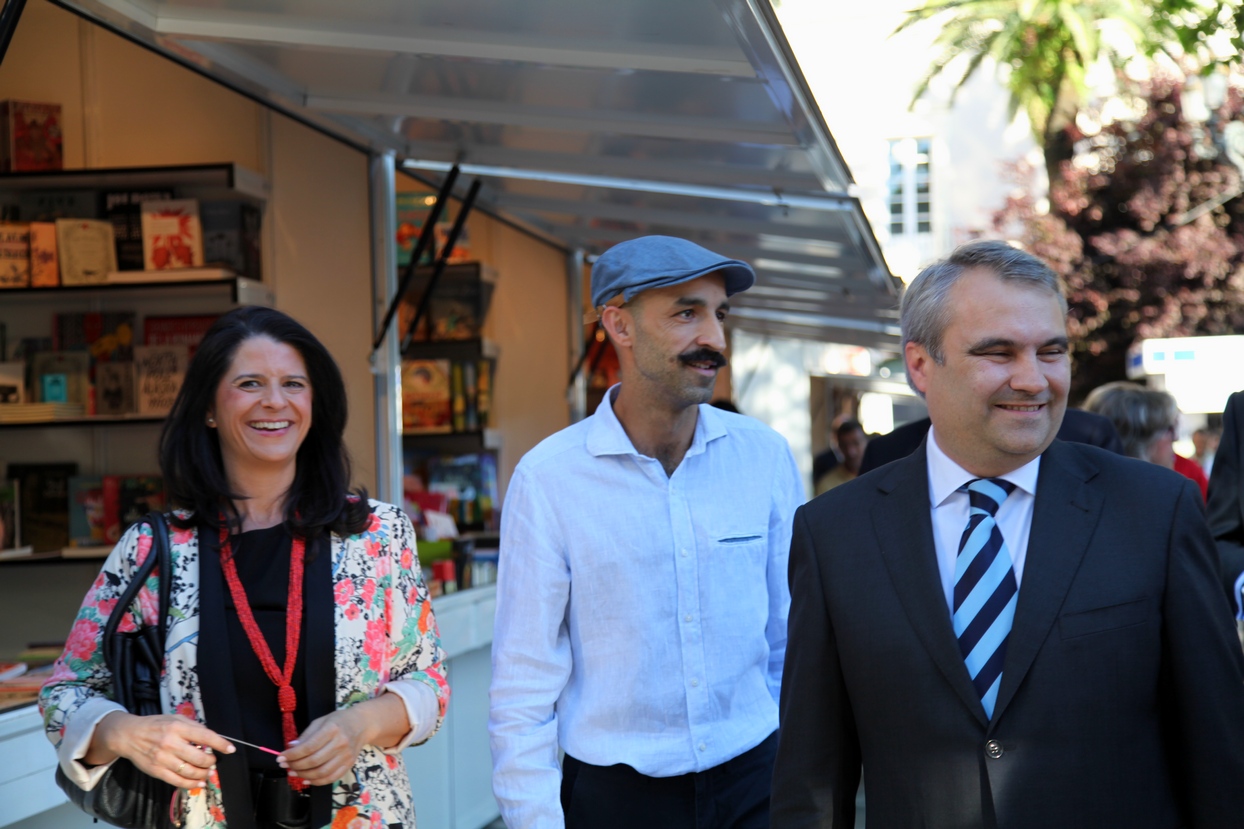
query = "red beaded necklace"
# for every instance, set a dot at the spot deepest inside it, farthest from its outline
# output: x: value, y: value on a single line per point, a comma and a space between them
x: 286, y: 698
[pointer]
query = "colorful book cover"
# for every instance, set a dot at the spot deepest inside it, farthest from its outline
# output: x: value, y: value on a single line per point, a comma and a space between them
x: 44, y: 503
x: 158, y: 373
x: 124, y: 209
x: 172, y: 234
x: 114, y: 389
x: 44, y: 262
x: 470, y: 483
x: 231, y: 236
x: 14, y: 255
x: 483, y: 390
x: 86, y: 251
x: 32, y: 136
x: 457, y: 392
x: 426, y: 399
x: 86, y: 510
x: 186, y: 330
x: 61, y: 377
x: 412, y: 212
x: 108, y: 336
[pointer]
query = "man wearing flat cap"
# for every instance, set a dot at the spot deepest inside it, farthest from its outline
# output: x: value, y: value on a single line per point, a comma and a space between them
x: 642, y: 598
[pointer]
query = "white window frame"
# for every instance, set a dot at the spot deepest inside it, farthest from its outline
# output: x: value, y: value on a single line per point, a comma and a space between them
x: 908, y: 211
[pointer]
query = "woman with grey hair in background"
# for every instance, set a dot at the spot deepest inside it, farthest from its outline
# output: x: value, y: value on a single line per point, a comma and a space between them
x: 1146, y: 420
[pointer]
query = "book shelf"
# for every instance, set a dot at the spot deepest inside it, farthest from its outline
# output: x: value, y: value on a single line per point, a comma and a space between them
x: 115, y: 444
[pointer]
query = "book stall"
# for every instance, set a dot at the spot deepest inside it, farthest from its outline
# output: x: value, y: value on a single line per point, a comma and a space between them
x: 158, y: 170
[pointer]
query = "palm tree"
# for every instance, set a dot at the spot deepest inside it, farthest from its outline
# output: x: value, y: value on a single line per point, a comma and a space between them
x: 1049, y: 45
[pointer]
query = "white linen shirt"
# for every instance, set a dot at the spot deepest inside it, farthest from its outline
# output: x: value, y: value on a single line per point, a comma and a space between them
x: 950, y: 508
x: 641, y: 618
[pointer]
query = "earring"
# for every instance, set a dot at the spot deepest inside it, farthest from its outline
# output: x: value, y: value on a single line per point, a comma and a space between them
x: 211, y: 421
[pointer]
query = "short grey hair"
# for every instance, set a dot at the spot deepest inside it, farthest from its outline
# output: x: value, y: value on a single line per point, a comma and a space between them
x: 1139, y: 414
x: 925, y: 311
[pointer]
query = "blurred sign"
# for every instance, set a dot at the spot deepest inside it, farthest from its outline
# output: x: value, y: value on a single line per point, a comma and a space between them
x: 1201, y: 372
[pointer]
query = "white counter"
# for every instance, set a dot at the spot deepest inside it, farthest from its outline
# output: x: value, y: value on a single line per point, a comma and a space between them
x: 451, y: 774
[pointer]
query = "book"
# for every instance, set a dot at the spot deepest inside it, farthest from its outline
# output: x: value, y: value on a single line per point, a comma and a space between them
x: 108, y: 336
x: 86, y: 251
x: 44, y: 509
x: 14, y: 255
x: 426, y: 398
x: 483, y: 390
x: 39, y: 412
x: 114, y: 389
x: 470, y: 483
x: 11, y: 670
x: 61, y: 377
x: 457, y: 393
x: 186, y: 330
x: 456, y: 309
x: 172, y: 234
x: 44, y: 261
x: 50, y: 205
x: 231, y: 236
x: 86, y: 510
x: 170, y: 275
x: 30, y: 136
x: 124, y: 209
x: 127, y: 498
x: 12, y: 382
x: 158, y: 373
x: 10, y: 515
x: 412, y: 212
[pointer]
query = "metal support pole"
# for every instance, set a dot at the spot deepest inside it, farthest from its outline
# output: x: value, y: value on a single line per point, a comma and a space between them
x: 576, y: 392
x: 386, y: 365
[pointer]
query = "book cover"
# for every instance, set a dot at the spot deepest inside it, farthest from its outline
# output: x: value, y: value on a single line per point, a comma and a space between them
x: 13, y: 382
x: 10, y: 515
x: 483, y: 390
x: 470, y: 393
x: 172, y: 234
x: 470, y: 484
x: 44, y: 262
x: 14, y: 255
x: 44, y: 510
x: 32, y: 137
x: 184, y: 330
x: 50, y: 205
x: 124, y: 209
x: 107, y: 336
x: 231, y: 236
x: 426, y: 398
x: 114, y: 389
x: 61, y: 377
x: 412, y: 212
x: 456, y: 309
x: 158, y: 372
x: 86, y: 510
x: 86, y: 251
x: 111, y: 491
x: 457, y: 393
x: 127, y: 498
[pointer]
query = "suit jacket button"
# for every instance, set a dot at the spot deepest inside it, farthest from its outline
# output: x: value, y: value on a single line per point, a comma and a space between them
x: 994, y: 749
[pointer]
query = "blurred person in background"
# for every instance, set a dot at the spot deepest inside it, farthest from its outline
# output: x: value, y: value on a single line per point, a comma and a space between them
x: 1147, y: 421
x: 852, y: 442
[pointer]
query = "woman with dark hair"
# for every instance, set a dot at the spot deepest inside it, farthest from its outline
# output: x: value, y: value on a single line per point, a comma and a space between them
x: 296, y: 605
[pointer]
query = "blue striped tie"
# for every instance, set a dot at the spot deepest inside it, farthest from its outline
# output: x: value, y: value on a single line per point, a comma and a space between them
x: 985, y: 590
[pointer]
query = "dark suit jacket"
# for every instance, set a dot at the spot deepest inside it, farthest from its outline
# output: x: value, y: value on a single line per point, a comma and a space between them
x: 1226, y: 495
x: 1078, y: 426
x: 1122, y: 695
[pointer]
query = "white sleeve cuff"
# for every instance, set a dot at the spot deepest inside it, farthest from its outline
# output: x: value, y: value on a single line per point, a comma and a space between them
x: 422, y: 709
x: 1239, y: 599
x: 79, y: 731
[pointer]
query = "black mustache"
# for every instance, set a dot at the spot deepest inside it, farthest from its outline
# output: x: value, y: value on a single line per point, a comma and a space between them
x: 703, y: 355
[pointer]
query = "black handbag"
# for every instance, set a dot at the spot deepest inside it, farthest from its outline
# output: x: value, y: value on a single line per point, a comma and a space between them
x: 125, y: 796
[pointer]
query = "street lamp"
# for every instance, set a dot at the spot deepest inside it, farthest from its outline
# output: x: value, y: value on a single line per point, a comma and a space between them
x: 1200, y: 102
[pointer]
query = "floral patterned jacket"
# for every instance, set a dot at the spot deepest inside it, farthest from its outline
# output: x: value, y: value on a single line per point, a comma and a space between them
x: 385, y: 634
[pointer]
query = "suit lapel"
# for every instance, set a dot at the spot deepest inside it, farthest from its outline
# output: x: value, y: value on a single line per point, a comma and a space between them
x: 904, y: 528
x: 1065, y: 513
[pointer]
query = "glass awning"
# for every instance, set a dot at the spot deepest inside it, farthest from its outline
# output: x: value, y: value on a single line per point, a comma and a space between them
x: 590, y: 121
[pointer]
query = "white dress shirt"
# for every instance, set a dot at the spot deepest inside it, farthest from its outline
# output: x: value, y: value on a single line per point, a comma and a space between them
x: 641, y: 617
x: 950, y: 507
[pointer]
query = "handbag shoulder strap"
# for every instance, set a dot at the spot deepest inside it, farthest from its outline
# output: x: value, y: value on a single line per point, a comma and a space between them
x: 157, y: 557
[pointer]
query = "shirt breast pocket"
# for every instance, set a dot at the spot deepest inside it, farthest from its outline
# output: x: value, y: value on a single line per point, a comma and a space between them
x: 749, y: 545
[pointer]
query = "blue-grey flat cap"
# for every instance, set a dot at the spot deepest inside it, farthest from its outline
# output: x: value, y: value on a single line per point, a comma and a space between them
x: 657, y: 261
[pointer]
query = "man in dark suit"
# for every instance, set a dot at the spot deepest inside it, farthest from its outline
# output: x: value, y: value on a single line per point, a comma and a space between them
x: 1005, y: 630
x: 1078, y: 427
x: 1226, y: 501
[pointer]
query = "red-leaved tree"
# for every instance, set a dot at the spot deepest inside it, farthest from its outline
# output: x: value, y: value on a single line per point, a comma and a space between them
x: 1116, y: 231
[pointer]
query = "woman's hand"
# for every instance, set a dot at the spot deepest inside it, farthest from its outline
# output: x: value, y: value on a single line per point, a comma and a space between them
x: 328, y: 748
x: 171, y: 747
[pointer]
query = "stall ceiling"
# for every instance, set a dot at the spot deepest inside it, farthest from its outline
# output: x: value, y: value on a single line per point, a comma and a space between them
x: 590, y: 121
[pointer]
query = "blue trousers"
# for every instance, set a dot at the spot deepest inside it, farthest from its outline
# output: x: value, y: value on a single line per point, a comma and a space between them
x: 733, y: 795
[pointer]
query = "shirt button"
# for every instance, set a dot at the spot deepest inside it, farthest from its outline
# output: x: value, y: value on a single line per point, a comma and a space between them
x: 702, y: 747
x: 695, y: 683
x: 687, y: 618
x: 994, y: 749
x: 684, y: 553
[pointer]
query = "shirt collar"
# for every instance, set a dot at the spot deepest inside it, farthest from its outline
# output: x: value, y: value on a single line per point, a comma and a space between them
x: 607, y: 437
x: 946, y: 477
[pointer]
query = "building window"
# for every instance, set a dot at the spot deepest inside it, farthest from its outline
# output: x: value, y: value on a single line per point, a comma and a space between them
x: 910, y: 200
